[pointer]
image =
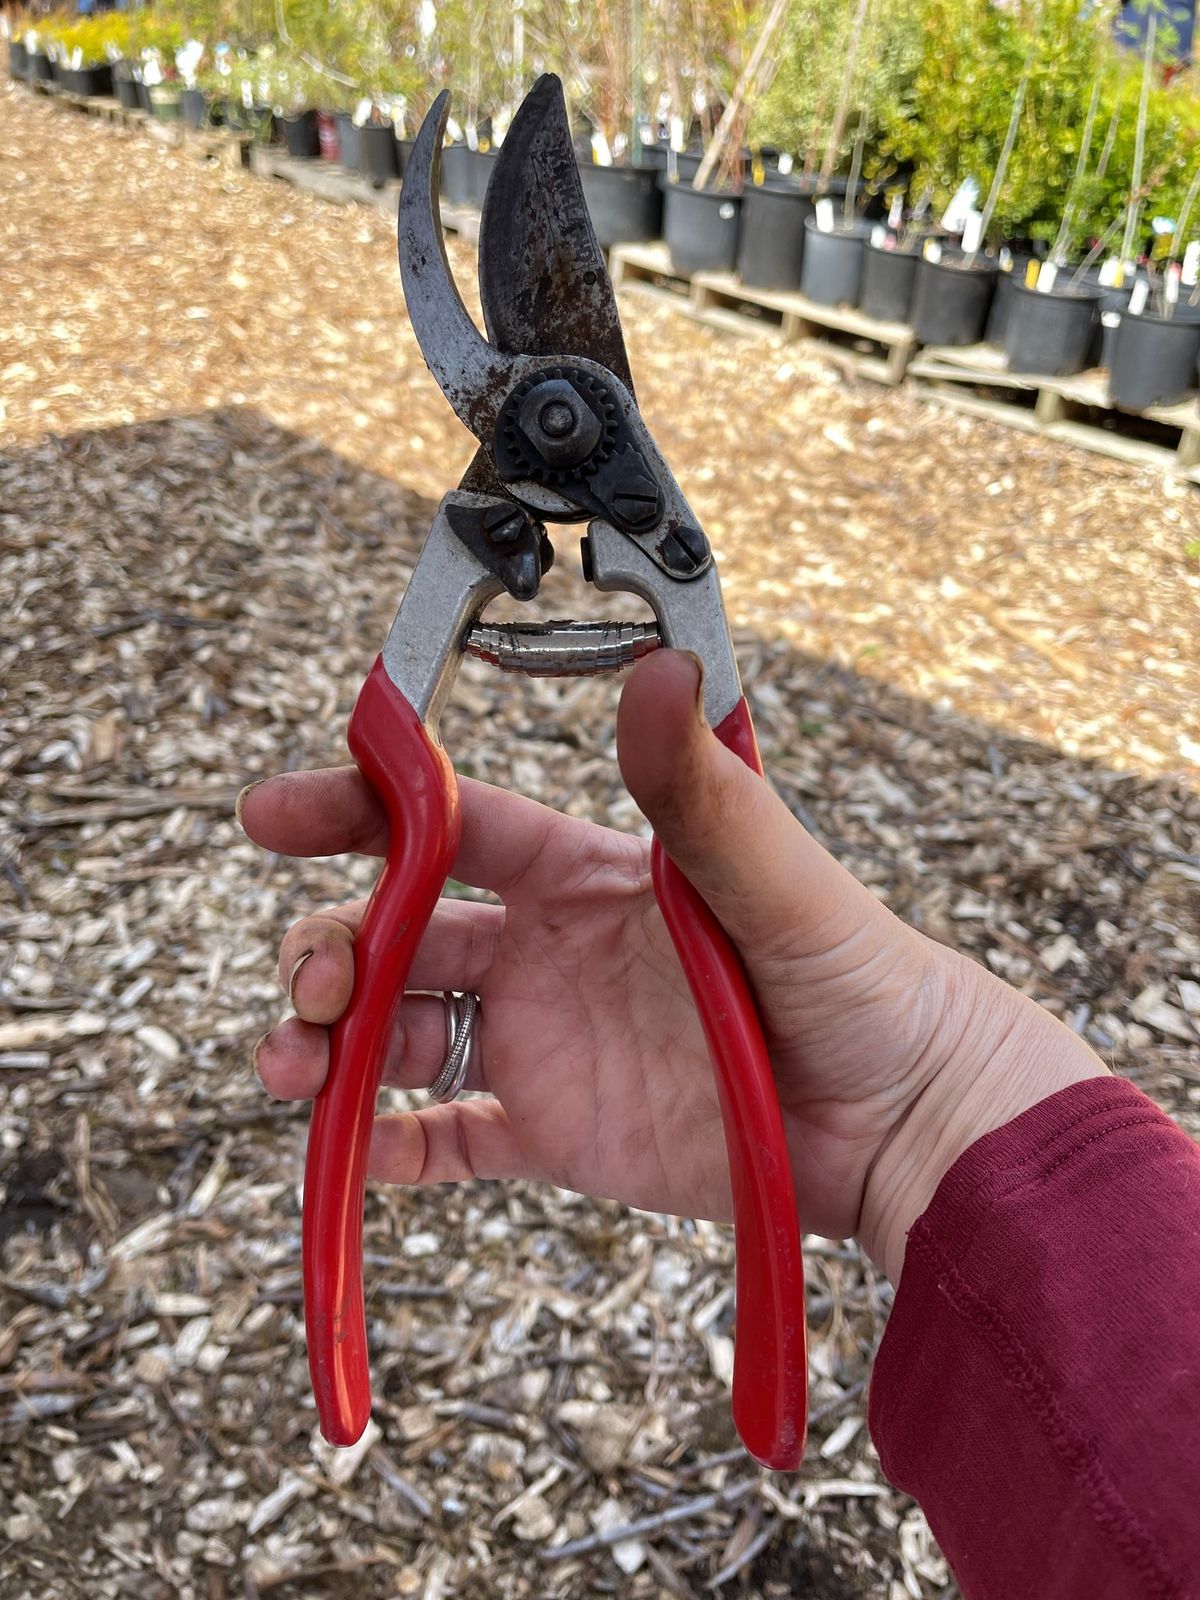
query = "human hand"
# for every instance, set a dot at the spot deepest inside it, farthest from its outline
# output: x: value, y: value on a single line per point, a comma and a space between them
x: 891, y: 1053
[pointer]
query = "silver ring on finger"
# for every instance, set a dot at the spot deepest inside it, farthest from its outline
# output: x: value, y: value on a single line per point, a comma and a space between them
x: 462, y: 1045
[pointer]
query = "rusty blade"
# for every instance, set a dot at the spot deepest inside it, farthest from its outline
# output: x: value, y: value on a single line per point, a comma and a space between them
x: 473, y: 376
x: 542, y: 279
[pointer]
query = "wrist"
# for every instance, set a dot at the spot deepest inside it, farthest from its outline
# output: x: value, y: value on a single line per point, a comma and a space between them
x: 994, y: 1054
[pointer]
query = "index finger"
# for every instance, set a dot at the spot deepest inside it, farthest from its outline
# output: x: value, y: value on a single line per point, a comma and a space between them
x: 333, y: 809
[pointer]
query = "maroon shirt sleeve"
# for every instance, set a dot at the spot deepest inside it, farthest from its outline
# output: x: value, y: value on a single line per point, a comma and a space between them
x: 1038, y: 1387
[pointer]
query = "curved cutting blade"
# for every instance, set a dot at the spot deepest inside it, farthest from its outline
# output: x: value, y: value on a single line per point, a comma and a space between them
x: 473, y: 376
x: 542, y: 279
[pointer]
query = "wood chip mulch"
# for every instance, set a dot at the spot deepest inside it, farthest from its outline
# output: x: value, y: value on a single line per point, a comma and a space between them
x: 971, y: 657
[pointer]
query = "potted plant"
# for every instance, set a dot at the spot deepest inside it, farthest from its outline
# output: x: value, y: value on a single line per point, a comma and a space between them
x: 696, y: 50
x: 793, y: 112
x: 86, y: 48
x: 1045, y: 319
x: 18, y: 56
x: 38, y: 66
x: 293, y: 97
x: 154, y: 40
x: 620, y: 185
x: 890, y: 258
x: 971, y: 83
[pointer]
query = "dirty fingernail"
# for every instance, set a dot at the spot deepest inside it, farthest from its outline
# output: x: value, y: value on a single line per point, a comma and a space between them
x: 294, y: 972
x: 241, y: 799
x: 258, y: 1047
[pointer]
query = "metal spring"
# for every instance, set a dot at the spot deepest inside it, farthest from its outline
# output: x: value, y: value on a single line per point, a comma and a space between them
x: 562, y: 649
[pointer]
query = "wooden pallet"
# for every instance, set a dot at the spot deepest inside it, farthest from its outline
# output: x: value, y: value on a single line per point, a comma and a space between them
x: 867, y: 347
x: 1074, y: 410
x: 226, y: 146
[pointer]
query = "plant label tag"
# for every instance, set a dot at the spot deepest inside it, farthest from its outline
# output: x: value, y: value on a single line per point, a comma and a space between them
x: 1005, y: 259
x: 896, y: 212
x: 878, y: 235
x: 1111, y: 319
x: 247, y: 95
x: 825, y: 214
x: 1171, y: 284
x: 1110, y: 273
x: 1046, y: 277
x: 676, y: 130
x: 972, y: 234
x: 1137, y: 300
x: 1191, y: 264
x: 601, y: 150
x: 933, y: 251
x: 362, y: 111
x: 785, y: 163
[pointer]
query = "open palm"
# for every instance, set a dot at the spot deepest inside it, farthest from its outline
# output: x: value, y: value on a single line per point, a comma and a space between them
x: 591, y: 1050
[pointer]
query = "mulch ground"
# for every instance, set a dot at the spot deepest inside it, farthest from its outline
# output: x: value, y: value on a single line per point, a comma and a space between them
x: 972, y: 659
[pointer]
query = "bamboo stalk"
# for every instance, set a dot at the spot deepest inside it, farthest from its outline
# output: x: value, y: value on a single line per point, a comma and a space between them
x: 842, y: 109
x: 742, y: 90
x: 1062, y: 241
x: 1010, y: 139
x: 1139, y: 144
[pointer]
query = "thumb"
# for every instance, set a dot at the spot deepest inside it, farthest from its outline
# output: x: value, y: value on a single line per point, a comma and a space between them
x: 767, y: 880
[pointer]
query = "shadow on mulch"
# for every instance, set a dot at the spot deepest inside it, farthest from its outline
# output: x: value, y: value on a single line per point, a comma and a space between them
x: 194, y: 602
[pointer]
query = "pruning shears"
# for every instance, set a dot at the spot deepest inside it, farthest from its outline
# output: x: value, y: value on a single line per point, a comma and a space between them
x: 549, y: 396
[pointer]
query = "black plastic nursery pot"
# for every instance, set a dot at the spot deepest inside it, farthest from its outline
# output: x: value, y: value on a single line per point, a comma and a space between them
x: 771, y: 247
x: 327, y: 136
x: 18, y: 59
x: 831, y: 272
x: 377, y: 153
x: 700, y: 227
x: 403, y: 151
x: 888, y: 279
x: 301, y: 137
x: 1113, y: 305
x: 347, y: 135
x: 458, y: 184
x: 1154, y: 361
x: 41, y: 68
x: 951, y: 301
x: 95, y: 81
x: 687, y: 164
x: 193, y: 107
x: 481, y: 165
x: 625, y: 203
x: 1002, y: 299
x: 127, y: 91
x: 653, y: 155
x: 1052, y: 332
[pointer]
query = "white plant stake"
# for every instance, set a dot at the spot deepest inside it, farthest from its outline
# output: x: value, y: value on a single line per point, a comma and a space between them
x: 825, y: 214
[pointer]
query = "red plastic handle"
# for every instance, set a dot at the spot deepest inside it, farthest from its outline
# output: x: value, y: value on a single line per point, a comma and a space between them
x: 770, y: 1380
x: 415, y: 781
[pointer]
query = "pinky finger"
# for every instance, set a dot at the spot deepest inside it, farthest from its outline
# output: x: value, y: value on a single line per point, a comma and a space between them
x: 447, y: 1144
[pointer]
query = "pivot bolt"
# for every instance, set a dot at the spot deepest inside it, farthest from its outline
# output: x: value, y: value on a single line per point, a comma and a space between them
x: 559, y: 424
x: 557, y: 419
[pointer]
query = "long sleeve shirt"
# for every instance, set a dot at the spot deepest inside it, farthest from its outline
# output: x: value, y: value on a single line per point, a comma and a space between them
x: 1038, y: 1387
